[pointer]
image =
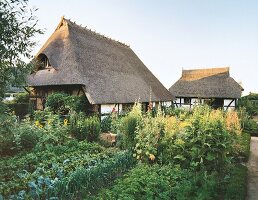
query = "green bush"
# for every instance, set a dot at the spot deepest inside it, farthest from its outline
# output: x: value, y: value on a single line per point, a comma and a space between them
x: 106, y: 124
x: 20, y: 109
x: 29, y: 136
x: 237, y: 186
x: 250, y: 103
x: 85, y: 127
x: 199, y: 186
x: 63, y: 103
x: 7, y: 144
x: 171, y: 182
x: 142, y: 182
x: 74, y: 120
x: 129, y: 123
x: 22, y: 98
x: 56, y: 103
x: 241, y: 148
x: 76, y: 103
x: 207, y: 140
x: 52, y: 129
x: 247, y: 123
x: 7, y: 135
x: 204, y: 143
x: 177, y: 112
x: 148, y: 137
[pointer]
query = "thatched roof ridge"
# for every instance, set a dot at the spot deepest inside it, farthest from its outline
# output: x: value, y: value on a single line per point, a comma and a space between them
x: 195, y: 74
x: 206, y: 83
x: 96, y: 33
x: 109, y: 70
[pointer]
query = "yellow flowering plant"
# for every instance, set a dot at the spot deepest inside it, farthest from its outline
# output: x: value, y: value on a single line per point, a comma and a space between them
x: 65, y: 122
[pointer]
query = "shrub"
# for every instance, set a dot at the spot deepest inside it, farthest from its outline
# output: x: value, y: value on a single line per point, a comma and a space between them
x: 177, y: 112
x: 91, y: 127
x: 148, y: 136
x: 142, y: 182
x: 85, y: 128
x: 54, y: 131
x: 202, y: 142
x: 241, y: 147
x: 29, y: 136
x: 173, y: 142
x: 250, y: 103
x: 237, y: 185
x: 75, y: 119
x: 7, y: 144
x: 76, y: 103
x: 106, y: 124
x: 63, y: 103
x: 207, y: 140
x: 233, y: 124
x: 201, y: 186
x: 56, y: 102
x: 7, y: 135
x: 129, y: 125
x: 22, y: 98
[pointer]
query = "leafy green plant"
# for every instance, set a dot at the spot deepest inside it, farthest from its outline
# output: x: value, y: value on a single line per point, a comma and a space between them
x: 129, y: 123
x: 85, y: 127
x: 85, y: 182
x: 76, y: 103
x: 148, y: 136
x: 106, y: 124
x: 237, y: 185
x: 202, y: 142
x: 142, y: 182
x: 199, y: 186
x: 51, y: 164
x: 250, y: 103
x: 28, y: 136
x: 7, y: 135
x: 208, y: 141
x: 22, y: 98
x: 56, y: 102
x: 63, y: 103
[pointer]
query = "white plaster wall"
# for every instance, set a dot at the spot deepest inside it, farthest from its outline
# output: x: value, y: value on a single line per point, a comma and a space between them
x: 227, y: 102
x: 107, y: 108
x: 167, y: 104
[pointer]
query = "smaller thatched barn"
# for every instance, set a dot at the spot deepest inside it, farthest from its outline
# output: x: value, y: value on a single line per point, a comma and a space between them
x: 79, y: 61
x: 213, y: 86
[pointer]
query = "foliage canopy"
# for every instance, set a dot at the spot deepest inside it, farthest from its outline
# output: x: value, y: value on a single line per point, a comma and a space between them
x: 17, y: 29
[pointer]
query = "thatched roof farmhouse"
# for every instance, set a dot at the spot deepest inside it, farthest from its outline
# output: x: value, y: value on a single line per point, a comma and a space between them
x: 80, y: 61
x: 211, y: 85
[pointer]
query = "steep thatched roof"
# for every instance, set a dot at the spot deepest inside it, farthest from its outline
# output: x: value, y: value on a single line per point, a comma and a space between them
x: 206, y: 83
x: 110, y: 71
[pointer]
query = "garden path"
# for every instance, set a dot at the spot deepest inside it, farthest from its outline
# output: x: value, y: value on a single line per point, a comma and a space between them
x: 252, y: 190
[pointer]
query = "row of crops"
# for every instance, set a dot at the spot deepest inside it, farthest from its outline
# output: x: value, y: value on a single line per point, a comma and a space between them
x: 171, y: 154
x: 62, y: 171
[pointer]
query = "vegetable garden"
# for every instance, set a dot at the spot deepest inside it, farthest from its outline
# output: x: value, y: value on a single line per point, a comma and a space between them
x: 169, y: 154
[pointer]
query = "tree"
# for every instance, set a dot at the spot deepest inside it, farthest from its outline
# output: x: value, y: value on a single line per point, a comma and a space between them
x: 17, y: 29
x: 250, y: 102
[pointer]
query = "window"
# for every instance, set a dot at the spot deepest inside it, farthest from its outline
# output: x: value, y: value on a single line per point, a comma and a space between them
x: 43, y: 62
x: 187, y: 100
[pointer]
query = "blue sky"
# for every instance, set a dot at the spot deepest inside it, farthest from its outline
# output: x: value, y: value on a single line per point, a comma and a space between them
x: 168, y: 35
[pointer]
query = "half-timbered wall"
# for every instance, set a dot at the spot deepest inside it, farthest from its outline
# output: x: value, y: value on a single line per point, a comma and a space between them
x: 39, y: 94
x: 189, y: 103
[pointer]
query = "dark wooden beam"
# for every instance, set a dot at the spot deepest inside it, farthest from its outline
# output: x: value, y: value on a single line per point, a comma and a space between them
x: 230, y: 104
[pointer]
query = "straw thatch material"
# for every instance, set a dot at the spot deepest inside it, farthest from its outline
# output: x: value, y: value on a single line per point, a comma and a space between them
x: 110, y: 71
x: 206, y: 83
